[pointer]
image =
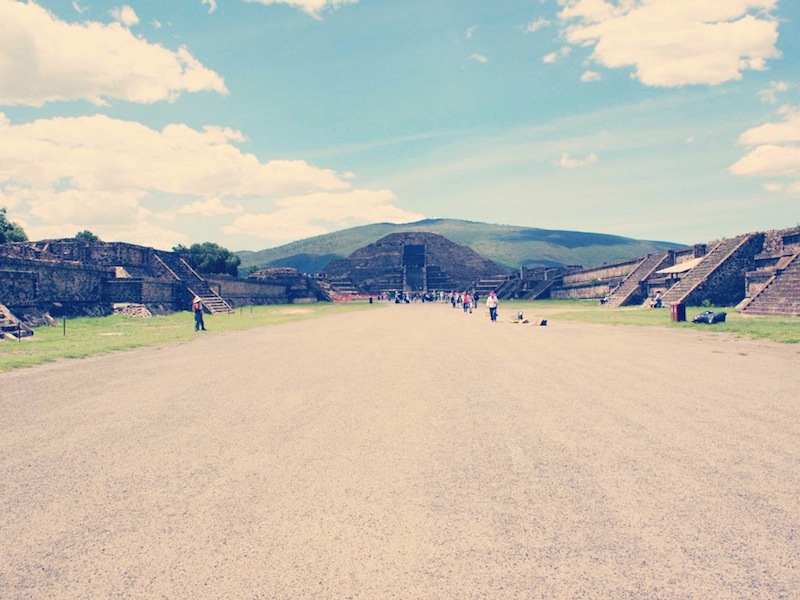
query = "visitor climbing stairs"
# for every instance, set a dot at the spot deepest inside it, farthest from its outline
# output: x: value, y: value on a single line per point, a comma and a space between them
x: 699, y: 274
x: 781, y: 294
x: 175, y: 267
x: 629, y: 289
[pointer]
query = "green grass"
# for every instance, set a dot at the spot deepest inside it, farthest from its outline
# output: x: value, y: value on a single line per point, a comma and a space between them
x: 89, y: 336
x: 779, y: 329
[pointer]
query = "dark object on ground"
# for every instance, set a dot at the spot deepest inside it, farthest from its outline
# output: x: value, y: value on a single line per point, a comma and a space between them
x: 709, y: 316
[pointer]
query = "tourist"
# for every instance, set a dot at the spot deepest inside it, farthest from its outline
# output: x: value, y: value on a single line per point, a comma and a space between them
x: 491, y: 304
x: 465, y: 302
x: 197, y: 307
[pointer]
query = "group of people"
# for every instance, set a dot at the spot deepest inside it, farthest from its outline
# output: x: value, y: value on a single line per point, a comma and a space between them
x: 470, y: 300
x: 467, y: 300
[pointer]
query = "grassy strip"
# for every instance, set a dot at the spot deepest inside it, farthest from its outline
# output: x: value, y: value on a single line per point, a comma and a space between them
x: 89, y: 336
x: 778, y: 329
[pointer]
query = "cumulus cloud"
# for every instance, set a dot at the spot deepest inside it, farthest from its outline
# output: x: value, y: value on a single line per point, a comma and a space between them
x: 125, y: 15
x: 568, y: 162
x: 591, y: 76
x: 315, y: 8
x: 321, y: 212
x: 672, y: 43
x: 479, y: 58
x: 78, y: 8
x: 43, y: 59
x: 774, y: 149
x: 212, y: 5
x: 471, y: 31
x: 64, y: 175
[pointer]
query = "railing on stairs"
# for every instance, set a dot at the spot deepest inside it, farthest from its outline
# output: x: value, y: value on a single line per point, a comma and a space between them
x: 195, y: 284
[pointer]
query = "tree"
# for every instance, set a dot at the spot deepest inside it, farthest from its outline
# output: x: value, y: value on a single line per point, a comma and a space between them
x: 10, y: 232
x: 87, y: 236
x: 210, y: 258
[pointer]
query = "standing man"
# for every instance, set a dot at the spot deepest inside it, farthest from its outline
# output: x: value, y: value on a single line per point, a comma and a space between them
x: 197, y: 307
x: 491, y: 304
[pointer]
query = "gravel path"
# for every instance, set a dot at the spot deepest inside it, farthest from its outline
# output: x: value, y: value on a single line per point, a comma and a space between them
x: 409, y: 452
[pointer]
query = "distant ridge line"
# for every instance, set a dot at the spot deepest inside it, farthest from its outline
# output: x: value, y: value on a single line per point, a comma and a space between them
x: 511, y: 246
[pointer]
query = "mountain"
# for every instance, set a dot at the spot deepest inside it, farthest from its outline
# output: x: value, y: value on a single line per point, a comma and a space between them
x: 507, y: 245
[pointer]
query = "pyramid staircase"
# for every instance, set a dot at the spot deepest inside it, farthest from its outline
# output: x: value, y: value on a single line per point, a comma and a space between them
x: 490, y: 284
x: 516, y: 287
x: 630, y: 288
x: 781, y: 294
x: 174, y: 267
x: 539, y: 289
x: 700, y: 273
x: 11, y: 327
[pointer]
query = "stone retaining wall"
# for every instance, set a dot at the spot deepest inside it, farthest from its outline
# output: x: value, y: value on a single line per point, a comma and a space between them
x: 616, y: 271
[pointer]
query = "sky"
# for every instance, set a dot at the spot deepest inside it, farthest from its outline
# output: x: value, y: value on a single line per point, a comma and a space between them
x: 255, y: 123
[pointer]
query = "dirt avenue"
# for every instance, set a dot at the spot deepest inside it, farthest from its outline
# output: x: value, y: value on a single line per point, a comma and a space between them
x: 409, y: 452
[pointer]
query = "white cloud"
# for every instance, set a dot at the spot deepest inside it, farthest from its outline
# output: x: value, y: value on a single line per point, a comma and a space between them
x: 773, y: 187
x: 314, y: 8
x: 775, y: 148
x: 769, y: 161
x: 47, y: 60
x: 480, y: 58
x: 591, y: 76
x: 675, y: 42
x: 576, y: 163
x: 471, y: 31
x: 212, y: 5
x: 536, y: 25
x: 555, y: 56
x: 63, y: 175
x: 79, y: 9
x: 125, y: 15
x: 321, y: 212
x: 212, y: 207
x: 775, y: 133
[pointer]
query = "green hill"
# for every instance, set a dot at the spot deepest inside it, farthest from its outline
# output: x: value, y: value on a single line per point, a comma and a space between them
x: 506, y: 245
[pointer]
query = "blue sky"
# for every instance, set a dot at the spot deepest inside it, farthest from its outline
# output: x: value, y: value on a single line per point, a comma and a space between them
x: 254, y: 123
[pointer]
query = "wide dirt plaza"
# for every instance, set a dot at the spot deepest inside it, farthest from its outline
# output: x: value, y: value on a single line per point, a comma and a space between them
x: 409, y: 452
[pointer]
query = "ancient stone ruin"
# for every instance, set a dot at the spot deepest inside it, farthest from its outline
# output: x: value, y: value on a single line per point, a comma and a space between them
x: 40, y: 281
x: 411, y: 262
x: 72, y: 277
x: 759, y: 272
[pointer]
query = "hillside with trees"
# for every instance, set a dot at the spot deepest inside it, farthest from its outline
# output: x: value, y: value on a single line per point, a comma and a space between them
x: 507, y: 245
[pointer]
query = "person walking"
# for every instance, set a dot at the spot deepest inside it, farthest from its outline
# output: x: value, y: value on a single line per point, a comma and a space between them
x: 197, y: 308
x: 465, y: 299
x: 491, y: 304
